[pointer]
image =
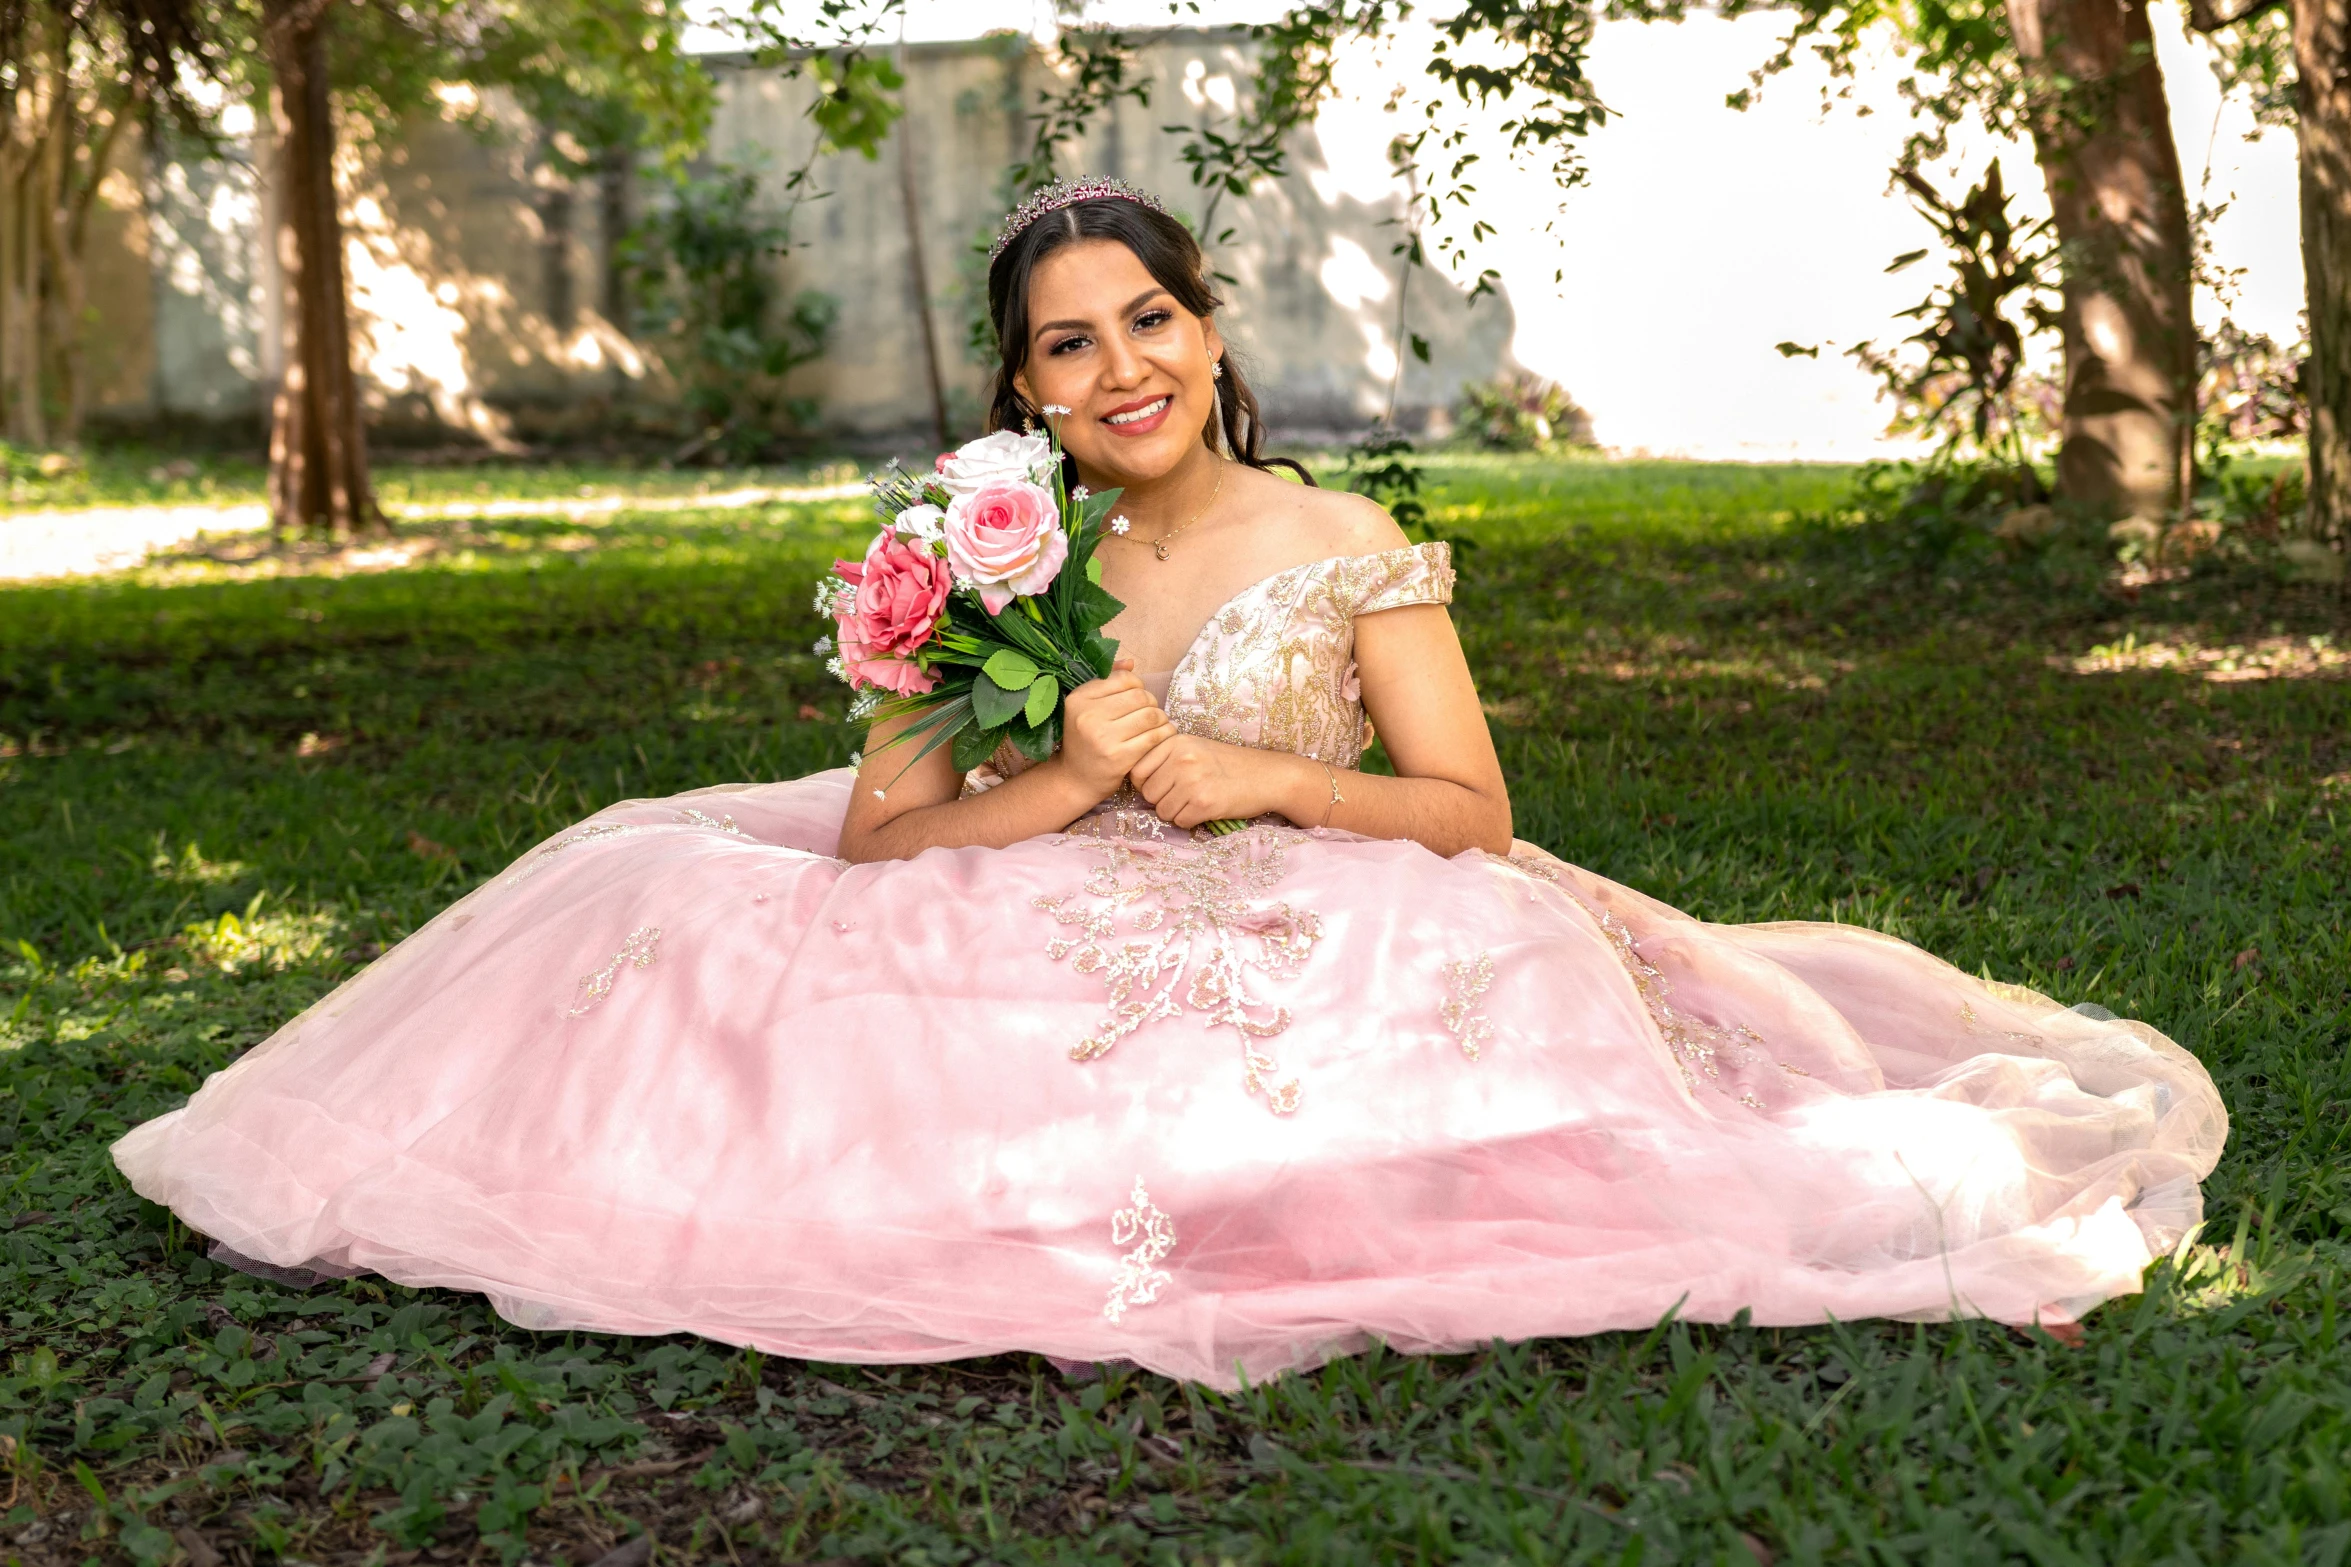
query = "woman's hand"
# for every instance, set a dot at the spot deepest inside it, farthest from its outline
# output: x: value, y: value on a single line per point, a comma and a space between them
x: 1189, y: 780
x: 1109, y: 726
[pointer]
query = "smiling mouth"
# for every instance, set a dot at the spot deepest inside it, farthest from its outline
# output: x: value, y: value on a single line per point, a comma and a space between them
x: 1149, y: 410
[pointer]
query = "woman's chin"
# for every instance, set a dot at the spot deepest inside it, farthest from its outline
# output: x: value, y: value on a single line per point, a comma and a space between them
x: 1123, y: 461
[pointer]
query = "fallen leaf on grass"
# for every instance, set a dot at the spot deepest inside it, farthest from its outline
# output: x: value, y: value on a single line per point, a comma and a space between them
x: 810, y: 713
x: 424, y: 848
x: 2247, y: 958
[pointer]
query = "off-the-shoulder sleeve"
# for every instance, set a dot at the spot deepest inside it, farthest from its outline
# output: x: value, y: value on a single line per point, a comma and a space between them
x: 1415, y: 574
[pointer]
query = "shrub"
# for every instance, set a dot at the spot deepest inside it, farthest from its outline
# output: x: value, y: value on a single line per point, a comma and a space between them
x: 1522, y: 413
x: 708, y: 293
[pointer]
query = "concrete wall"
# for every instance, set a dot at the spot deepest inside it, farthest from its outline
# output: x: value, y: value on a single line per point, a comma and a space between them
x: 481, y: 281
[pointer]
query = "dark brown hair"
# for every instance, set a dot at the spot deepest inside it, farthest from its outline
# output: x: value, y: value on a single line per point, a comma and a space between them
x: 1172, y: 257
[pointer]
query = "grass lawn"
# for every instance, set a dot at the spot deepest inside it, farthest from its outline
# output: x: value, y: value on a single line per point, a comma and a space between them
x: 224, y: 788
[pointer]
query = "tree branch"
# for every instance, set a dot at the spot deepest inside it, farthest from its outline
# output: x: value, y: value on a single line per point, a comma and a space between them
x: 2210, y: 16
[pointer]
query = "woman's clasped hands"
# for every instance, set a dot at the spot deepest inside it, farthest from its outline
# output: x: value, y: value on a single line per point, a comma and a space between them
x: 1108, y: 727
x: 1113, y: 732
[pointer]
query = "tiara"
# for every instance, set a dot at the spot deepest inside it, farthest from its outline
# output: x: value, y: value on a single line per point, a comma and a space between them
x: 1066, y: 193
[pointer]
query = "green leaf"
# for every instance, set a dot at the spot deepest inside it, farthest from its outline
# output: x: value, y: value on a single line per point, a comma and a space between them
x: 1044, y: 695
x: 994, y: 705
x: 1097, y: 507
x: 1096, y: 605
x: 1037, y: 744
x: 974, y: 746
x: 1010, y: 668
x: 1094, y: 570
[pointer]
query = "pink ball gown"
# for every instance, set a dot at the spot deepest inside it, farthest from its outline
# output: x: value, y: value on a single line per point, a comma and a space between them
x: 1222, y: 1108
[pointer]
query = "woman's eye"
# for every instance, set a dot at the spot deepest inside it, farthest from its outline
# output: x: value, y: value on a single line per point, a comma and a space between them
x: 1150, y: 320
x: 1066, y: 344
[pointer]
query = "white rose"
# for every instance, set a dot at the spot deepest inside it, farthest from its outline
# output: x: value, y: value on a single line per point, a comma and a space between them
x: 995, y: 459
x: 927, y: 524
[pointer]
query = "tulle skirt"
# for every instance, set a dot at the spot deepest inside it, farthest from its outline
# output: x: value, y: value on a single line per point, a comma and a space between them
x: 1219, y: 1108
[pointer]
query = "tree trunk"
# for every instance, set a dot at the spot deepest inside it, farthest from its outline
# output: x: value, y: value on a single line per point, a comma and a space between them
x: 2322, y: 59
x: 318, y: 481
x: 2102, y: 133
x: 918, y: 272
x: 29, y: 113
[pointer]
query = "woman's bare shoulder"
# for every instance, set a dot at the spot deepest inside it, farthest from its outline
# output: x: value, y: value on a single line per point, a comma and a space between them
x: 1324, y: 523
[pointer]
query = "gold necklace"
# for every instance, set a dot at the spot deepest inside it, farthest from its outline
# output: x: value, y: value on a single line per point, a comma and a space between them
x: 1160, y: 544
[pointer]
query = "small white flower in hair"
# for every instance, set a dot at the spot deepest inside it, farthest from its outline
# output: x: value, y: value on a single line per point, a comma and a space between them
x: 1119, y: 525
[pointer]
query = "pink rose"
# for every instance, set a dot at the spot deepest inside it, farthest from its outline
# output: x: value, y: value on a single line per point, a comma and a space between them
x: 1006, y: 540
x: 892, y: 608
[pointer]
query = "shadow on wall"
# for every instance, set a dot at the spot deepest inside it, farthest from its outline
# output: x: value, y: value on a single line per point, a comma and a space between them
x: 484, y: 286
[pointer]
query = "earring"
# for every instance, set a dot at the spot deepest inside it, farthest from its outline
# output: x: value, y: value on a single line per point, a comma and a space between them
x: 1216, y: 371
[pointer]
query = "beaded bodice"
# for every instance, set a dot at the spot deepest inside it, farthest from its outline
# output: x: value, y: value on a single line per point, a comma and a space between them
x: 1275, y: 667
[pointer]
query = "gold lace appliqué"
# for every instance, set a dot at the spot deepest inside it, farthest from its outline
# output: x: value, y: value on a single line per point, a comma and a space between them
x: 1139, y: 1278
x: 1196, y: 931
x: 1466, y: 983
x: 1701, y: 1050
x: 1271, y: 668
x: 638, y: 951
x: 689, y: 819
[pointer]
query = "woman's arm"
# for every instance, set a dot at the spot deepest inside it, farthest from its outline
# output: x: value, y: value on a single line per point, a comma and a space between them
x: 1447, y: 793
x: 897, y: 811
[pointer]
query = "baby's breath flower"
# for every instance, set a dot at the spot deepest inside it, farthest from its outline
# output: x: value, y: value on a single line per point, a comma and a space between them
x: 1080, y: 494
x: 1053, y: 408
x: 836, y: 669
x: 856, y: 758
x: 864, y: 706
x: 1119, y: 525
x: 821, y: 646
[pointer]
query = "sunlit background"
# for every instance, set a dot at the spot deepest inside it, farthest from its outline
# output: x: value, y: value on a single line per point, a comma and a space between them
x: 1704, y: 235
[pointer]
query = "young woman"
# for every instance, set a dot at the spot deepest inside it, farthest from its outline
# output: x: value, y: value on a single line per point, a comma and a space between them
x: 913, y: 1067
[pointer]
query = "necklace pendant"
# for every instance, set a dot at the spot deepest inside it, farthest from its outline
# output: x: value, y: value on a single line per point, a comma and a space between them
x: 1160, y: 549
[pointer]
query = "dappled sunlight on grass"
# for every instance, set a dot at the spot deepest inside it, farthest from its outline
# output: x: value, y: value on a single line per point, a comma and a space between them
x: 2262, y: 658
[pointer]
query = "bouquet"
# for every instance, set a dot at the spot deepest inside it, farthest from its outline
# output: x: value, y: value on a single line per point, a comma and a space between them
x: 979, y: 606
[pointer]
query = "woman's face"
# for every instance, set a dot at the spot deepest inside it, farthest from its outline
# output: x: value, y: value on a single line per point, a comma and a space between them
x: 1134, y: 368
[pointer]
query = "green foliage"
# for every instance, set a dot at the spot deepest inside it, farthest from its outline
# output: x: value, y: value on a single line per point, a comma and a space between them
x: 1097, y: 62
x: 1964, y: 64
x: 854, y: 107
x: 1385, y: 466
x: 2250, y: 389
x: 1521, y: 412
x: 1956, y: 510
x: 1966, y: 380
x: 602, y: 78
x: 1713, y: 683
x: 704, y: 263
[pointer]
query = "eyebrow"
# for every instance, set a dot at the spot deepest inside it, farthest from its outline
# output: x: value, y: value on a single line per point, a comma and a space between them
x: 1131, y: 306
